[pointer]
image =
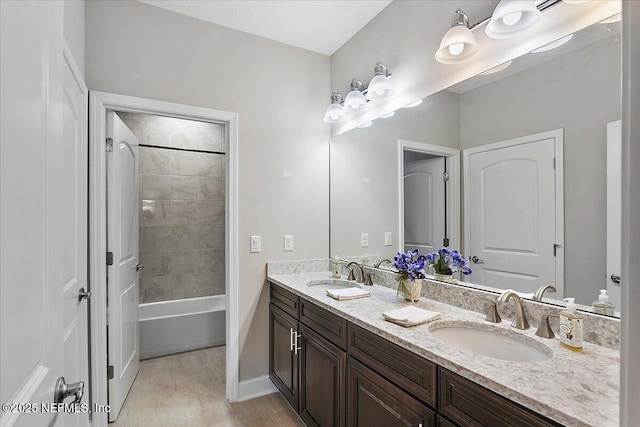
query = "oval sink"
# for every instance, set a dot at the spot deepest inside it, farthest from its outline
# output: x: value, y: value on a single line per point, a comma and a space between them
x: 492, y: 342
x: 334, y: 284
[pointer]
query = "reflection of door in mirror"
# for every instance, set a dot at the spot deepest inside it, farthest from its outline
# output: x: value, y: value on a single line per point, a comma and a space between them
x: 512, y: 211
x: 424, y: 201
x: 614, y: 210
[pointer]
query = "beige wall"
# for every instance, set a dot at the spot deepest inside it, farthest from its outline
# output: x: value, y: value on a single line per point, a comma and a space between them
x: 280, y: 95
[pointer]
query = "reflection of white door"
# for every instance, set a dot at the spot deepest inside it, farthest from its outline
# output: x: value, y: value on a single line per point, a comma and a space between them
x: 43, y: 193
x: 513, y: 234
x: 122, y: 242
x: 424, y: 204
x: 614, y: 210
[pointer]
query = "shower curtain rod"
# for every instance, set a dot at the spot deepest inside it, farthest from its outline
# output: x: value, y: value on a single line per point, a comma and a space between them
x: 192, y: 150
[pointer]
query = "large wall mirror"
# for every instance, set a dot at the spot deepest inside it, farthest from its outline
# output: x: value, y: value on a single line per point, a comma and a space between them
x: 518, y: 168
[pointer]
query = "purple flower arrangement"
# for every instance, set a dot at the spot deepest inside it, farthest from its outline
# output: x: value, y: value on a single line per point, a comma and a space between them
x: 410, y: 265
x: 447, y: 262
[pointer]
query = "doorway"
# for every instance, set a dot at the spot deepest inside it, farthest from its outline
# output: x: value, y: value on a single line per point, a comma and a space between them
x: 165, y: 310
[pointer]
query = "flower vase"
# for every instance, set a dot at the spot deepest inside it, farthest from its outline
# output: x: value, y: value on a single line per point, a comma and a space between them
x: 411, y: 290
x: 445, y: 278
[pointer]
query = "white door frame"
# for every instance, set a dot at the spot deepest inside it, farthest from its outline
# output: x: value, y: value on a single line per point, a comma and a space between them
x: 453, y: 191
x: 558, y: 136
x: 99, y: 103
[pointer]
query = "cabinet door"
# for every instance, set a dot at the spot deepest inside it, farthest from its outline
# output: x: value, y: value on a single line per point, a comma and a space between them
x: 283, y: 362
x: 322, y: 381
x: 374, y: 401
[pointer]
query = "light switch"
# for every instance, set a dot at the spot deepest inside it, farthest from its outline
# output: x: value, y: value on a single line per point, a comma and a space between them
x: 388, y: 239
x: 256, y: 244
x: 364, y: 240
x: 288, y: 242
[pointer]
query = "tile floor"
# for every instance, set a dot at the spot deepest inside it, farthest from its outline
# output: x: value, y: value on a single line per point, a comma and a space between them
x: 188, y: 389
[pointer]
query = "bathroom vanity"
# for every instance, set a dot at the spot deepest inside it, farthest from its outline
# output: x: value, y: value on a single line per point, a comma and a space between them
x: 339, y: 363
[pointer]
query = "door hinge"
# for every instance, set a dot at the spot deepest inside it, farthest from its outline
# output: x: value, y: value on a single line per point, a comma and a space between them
x: 109, y: 144
x: 445, y: 176
x: 554, y: 163
x: 109, y: 258
x: 445, y: 242
x: 110, y: 374
x: 555, y: 248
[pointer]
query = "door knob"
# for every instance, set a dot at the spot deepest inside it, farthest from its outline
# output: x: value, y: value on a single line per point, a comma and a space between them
x: 82, y: 294
x: 615, y: 278
x: 64, y: 390
x: 139, y: 267
x: 477, y: 260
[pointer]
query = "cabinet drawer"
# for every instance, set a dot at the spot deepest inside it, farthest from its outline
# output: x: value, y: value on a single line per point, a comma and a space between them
x: 284, y: 300
x: 375, y: 401
x: 406, y: 369
x: 330, y: 326
x: 469, y: 404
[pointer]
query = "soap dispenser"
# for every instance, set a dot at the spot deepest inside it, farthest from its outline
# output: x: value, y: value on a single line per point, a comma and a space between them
x: 603, y: 306
x: 335, y: 267
x: 571, y: 327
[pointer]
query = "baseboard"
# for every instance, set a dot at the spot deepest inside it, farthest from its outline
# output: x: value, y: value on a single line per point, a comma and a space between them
x: 255, y: 387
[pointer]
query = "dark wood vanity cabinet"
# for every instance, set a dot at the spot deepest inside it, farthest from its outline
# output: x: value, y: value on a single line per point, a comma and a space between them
x: 335, y: 373
x: 306, y: 361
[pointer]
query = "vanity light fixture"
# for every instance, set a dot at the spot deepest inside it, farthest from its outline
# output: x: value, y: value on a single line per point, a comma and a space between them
x: 512, y: 18
x: 335, y: 113
x: 380, y: 85
x: 355, y: 98
x: 459, y: 43
x: 553, y: 44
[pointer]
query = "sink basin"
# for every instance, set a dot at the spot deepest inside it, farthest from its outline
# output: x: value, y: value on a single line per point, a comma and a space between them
x: 490, y: 341
x: 334, y: 284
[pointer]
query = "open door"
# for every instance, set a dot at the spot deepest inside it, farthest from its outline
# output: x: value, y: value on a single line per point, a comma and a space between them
x: 122, y: 273
x: 614, y: 211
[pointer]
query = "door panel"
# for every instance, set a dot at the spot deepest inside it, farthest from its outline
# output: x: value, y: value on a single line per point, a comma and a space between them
x: 283, y: 363
x: 512, y: 213
x: 122, y: 237
x: 614, y: 209
x: 424, y: 205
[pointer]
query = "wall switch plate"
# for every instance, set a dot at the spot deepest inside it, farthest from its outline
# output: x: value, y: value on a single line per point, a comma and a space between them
x: 256, y: 244
x: 288, y: 242
x: 388, y: 239
x: 364, y: 240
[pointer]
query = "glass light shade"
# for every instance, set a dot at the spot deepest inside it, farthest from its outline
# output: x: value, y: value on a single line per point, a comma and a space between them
x: 512, y: 18
x: 457, y: 45
x: 379, y: 87
x: 334, y: 114
x: 354, y: 101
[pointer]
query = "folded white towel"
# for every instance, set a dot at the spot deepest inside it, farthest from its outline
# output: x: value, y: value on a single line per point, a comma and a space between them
x: 348, y: 293
x: 410, y: 316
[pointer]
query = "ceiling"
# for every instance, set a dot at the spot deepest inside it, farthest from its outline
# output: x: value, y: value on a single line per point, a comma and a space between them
x: 320, y: 26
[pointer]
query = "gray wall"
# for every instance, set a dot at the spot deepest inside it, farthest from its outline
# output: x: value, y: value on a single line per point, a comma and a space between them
x: 73, y: 21
x: 280, y: 94
x: 579, y: 92
x: 182, y: 209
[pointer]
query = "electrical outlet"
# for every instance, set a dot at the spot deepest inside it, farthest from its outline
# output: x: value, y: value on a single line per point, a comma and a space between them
x: 388, y: 239
x: 256, y: 244
x: 288, y: 242
x: 364, y: 240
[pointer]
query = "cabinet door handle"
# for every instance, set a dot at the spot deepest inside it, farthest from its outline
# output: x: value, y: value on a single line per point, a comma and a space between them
x: 295, y: 344
x: 291, y: 339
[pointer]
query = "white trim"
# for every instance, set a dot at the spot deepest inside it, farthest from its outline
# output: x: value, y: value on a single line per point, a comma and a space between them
x: 558, y: 136
x: 255, y: 387
x: 100, y: 102
x: 181, y: 307
x: 25, y: 395
x: 453, y: 187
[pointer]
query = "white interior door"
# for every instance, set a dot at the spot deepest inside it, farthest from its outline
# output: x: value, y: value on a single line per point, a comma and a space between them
x: 42, y: 219
x: 510, y: 205
x: 122, y: 242
x: 424, y: 204
x: 614, y: 211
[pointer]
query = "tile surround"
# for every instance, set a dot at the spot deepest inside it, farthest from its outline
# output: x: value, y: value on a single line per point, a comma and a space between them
x: 181, y: 208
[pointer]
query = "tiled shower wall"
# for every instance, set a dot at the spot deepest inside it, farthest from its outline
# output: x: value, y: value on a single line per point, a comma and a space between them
x: 181, y: 207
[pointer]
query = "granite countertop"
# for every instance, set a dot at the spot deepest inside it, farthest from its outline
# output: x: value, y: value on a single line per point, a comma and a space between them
x: 574, y: 389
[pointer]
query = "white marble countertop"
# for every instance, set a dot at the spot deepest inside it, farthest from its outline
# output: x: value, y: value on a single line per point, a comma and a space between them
x: 574, y: 389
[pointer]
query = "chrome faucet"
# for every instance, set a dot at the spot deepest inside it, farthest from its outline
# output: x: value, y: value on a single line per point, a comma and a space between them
x: 352, y: 276
x: 520, y: 322
x: 382, y: 261
x: 541, y: 290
